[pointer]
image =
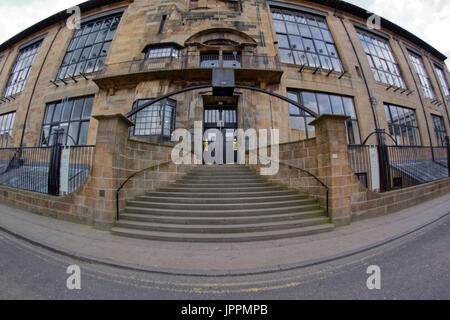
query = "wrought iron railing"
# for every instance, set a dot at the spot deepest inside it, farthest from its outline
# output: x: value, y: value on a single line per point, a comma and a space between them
x: 30, y: 168
x: 405, y: 165
x: 198, y: 61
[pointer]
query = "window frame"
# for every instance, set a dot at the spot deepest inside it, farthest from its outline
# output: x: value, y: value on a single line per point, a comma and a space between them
x: 440, y: 72
x: 313, y: 32
x: 24, y: 61
x: 381, y: 55
x: 6, y: 127
x: 300, y: 114
x: 173, y: 52
x: 425, y: 81
x: 163, y: 113
x: 89, y: 35
x: 439, y: 129
x: 46, y: 139
x: 402, y: 126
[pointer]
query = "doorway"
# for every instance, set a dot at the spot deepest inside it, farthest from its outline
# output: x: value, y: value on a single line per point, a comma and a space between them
x: 220, y: 122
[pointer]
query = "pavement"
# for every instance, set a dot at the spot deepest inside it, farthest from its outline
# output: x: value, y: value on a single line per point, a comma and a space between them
x: 217, y: 259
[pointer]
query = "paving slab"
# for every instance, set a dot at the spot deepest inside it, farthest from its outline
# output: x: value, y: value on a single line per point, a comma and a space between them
x: 88, y: 243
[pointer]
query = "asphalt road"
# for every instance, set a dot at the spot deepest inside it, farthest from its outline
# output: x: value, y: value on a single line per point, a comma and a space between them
x: 414, y: 267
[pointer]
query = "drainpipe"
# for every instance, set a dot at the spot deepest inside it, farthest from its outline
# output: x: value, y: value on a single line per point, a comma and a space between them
x: 35, y: 85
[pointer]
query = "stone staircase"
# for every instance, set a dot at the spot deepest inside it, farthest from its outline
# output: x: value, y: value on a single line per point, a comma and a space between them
x: 221, y: 204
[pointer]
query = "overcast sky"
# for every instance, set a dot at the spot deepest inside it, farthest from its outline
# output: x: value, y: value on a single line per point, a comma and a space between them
x: 428, y: 19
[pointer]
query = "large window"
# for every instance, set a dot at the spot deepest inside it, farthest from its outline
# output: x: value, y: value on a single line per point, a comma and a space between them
x: 427, y: 88
x: 443, y: 81
x: 439, y: 129
x: 403, y: 125
x: 21, y: 69
x: 323, y: 104
x: 155, y: 120
x: 381, y: 59
x: 73, y: 116
x: 88, y: 49
x: 305, y: 40
x: 6, y: 125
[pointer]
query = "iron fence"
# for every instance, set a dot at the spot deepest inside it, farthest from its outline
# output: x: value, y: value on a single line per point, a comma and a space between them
x: 396, y: 167
x: 33, y: 168
x: 411, y: 166
x: 359, y: 160
x: 192, y: 61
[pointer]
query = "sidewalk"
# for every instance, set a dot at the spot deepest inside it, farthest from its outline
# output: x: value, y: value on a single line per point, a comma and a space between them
x: 87, y: 243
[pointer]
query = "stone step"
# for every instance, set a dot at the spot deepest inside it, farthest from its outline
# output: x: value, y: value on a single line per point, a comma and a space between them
x: 200, y: 199
x: 223, y: 175
x: 215, y: 184
x: 220, y: 213
x: 221, y: 179
x: 232, y: 195
x: 218, y: 182
x: 225, y: 220
x: 213, y: 229
x: 227, y: 206
x: 221, y: 190
x: 229, y: 237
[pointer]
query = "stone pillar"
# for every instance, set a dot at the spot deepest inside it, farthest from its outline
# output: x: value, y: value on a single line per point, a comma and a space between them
x: 112, y: 136
x: 333, y: 166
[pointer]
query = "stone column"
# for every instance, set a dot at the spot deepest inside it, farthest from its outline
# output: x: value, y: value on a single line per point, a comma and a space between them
x: 112, y: 136
x: 333, y: 166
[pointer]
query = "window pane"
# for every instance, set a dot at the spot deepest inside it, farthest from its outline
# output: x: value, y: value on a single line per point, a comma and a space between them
x: 309, y: 101
x: 324, y: 104
x: 82, y: 140
x: 77, y: 109
x: 337, y: 105
x: 87, y: 108
x: 67, y: 111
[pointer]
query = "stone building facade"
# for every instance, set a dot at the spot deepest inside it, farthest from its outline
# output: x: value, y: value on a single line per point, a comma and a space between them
x: 321, y: 54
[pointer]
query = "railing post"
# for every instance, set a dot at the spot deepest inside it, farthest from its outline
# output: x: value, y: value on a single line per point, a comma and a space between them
x: 447, y: 142
x: 383, y: 155
x: 55, y: 164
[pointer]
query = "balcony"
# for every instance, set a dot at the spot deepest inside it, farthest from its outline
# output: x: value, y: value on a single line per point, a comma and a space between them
x: 249, y: 69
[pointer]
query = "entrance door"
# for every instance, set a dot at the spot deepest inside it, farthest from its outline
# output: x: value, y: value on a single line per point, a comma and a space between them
x: 224, y: 121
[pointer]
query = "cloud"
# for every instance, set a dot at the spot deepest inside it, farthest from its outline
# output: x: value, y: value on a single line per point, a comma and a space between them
x: 428, y: 20
x: 21, y: 14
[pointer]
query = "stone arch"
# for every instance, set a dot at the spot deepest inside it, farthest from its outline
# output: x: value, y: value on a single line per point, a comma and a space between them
x: 220, y: 37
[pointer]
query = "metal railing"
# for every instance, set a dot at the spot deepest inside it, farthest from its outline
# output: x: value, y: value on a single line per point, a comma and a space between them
x: 198, y: 61
x: 411, y: 166
x: 31, y: 168
x: 359, y: 160
x: 399, y: 166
